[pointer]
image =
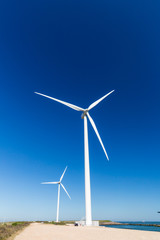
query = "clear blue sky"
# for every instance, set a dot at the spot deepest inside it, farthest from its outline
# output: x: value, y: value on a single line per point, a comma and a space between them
x: 77, y: 52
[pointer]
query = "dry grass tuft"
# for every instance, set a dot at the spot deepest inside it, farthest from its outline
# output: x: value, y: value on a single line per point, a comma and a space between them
x: 9, y: 229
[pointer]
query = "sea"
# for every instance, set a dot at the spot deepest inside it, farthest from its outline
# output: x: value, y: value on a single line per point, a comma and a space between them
x: 137, y: 227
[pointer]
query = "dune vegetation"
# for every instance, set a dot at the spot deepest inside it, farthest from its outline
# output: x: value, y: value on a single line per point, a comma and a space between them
x: 8, y: 230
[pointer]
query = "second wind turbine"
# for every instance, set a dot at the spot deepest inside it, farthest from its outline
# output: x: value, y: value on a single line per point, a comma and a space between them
x: 59, y: 185
x: 85, y: 114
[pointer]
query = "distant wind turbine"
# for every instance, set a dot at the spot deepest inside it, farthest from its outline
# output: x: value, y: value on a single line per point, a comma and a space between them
x: 59, y: 184
x: 85, y: 114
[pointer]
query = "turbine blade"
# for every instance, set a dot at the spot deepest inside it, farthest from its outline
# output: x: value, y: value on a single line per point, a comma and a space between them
x: 65, y: 103
x: 96, y: 131
x: 99, y: 100
x: 49, y: 183
x: 65, y: 190
x: 63, y: 174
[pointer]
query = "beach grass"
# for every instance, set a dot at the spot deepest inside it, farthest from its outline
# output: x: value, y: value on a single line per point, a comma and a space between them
x: 60, y: 223
x: 100, y: 221
x: 9, y: 229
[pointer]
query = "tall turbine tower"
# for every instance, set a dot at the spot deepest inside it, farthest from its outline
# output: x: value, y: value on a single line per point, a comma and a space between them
x: 85, y: 114
x: 59, y: 184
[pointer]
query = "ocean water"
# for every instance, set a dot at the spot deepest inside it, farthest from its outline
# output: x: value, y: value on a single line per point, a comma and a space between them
x: 137, y: 227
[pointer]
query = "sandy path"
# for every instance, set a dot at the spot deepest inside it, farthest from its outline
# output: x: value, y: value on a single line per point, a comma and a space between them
x: 39, y: 231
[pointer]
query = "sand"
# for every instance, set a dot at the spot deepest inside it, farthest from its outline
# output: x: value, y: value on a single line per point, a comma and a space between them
x: 40, y: 231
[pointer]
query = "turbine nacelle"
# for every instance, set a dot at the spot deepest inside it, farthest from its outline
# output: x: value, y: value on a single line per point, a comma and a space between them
x: 84, y: 113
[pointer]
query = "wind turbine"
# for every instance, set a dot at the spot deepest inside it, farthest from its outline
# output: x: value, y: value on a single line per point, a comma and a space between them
x: 85, y: 114
x: 59, y: 184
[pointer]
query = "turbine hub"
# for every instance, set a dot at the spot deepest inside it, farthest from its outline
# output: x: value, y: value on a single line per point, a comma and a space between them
x: 84, y: 113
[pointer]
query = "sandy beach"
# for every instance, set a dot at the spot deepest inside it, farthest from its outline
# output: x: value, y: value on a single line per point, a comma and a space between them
x: 40, y: 231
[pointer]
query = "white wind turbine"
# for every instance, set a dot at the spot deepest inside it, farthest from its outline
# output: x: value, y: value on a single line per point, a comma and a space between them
x: 85, y: 114
x: 59, y: 184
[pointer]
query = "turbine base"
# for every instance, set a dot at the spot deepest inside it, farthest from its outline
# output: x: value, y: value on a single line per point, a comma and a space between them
x: 83, y: 223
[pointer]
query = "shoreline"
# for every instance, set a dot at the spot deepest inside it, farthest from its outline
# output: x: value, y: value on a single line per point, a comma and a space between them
x: 130, y: 224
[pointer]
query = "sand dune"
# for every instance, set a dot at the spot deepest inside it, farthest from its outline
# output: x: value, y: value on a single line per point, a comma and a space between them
x: 40, y: 231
